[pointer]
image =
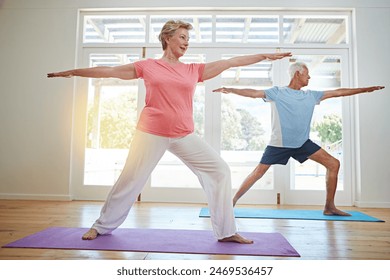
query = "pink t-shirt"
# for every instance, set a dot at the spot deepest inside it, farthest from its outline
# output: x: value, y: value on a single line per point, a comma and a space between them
x: 169, y: 96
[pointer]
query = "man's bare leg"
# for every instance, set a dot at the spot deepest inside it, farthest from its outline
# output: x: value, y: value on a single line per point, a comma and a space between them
x: 249, y: 181
x: 236, y: 238
x: 331, y: 186
x: 90, y: 234
x: 332, y: 169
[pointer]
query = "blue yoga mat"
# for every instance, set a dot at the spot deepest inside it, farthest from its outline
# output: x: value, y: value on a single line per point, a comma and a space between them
x: 294, y: 214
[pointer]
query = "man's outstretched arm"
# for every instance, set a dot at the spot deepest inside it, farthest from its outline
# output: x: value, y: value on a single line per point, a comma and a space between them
x: 247, y: 92
x: 349, y: 91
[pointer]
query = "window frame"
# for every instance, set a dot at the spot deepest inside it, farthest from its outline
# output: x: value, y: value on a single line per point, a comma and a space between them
x: 82, y: 48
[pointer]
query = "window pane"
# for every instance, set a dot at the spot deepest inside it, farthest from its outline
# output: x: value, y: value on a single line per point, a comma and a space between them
x: 245, y: 123
x: 114, y: 29
x: 326, y: 130
x: 112, y: 115
x: 201, y: 32
x: 247, y: 29
x: 314, y: 30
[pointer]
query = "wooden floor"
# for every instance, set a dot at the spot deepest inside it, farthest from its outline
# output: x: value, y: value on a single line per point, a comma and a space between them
x: 314, y: 240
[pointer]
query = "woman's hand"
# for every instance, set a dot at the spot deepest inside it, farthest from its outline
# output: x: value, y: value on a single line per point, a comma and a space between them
x: 275, y: 56
x: 64, y: 74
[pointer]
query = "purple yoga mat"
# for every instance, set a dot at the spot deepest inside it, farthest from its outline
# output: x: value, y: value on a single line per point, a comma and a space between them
x: 157, y: 240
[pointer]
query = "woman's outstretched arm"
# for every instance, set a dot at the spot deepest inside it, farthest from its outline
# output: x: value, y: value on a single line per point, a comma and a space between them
x: 215, y: 68
x: 125, y: 72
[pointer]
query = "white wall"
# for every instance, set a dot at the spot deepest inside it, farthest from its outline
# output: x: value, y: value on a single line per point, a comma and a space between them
x: 39, y: 36
x: 35, y: 113
x: 373, y: 67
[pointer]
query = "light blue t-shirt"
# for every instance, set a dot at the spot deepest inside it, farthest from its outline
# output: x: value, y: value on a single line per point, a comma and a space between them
x: 292, y: 111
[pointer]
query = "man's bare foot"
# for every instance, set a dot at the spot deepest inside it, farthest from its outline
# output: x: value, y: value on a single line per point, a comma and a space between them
x: 90, y: 234
x: 335, y: 212
x: 236, y: 238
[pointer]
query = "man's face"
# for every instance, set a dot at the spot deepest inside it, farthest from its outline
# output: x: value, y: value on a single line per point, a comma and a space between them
x: 304, y: 77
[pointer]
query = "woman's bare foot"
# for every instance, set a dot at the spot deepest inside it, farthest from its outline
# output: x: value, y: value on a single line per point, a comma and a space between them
x: 236, y: 238
x: 90, y: 234
x: 335, y: 212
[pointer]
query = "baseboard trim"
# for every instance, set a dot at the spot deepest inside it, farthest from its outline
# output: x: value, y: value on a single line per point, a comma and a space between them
x: 362, y: 204
x: 35, y: 197
x: 366, y: 204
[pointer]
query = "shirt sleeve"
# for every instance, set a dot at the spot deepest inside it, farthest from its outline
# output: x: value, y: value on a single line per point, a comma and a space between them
x: 317, y: 95
x: 271, y: 94
x: 139, y: 66
x: 201, y: 67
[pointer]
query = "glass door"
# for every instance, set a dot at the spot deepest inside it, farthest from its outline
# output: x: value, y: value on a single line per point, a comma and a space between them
x: 330, y: 128
x: 172, y: 180
x: 237, y: 127
x: 246, y: 126
x: 105, y: 116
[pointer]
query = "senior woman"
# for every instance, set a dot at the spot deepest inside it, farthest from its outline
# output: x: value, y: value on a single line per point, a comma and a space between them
x: 166, y: 123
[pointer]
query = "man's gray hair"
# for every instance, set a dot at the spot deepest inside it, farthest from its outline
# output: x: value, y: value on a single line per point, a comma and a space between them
x: 297, y: 66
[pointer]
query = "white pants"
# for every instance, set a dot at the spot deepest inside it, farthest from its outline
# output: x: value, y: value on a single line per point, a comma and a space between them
x: 145, y: 152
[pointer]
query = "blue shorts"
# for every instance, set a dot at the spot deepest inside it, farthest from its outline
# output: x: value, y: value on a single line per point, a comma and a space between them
x: 278, y: 155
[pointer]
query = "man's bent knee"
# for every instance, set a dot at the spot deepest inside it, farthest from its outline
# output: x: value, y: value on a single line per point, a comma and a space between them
x: 334, y: 166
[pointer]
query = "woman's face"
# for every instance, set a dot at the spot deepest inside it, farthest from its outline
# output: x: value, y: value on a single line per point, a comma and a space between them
x: 178, y: 43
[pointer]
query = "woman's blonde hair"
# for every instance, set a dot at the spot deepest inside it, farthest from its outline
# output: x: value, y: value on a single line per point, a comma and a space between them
x: 169, y: 28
